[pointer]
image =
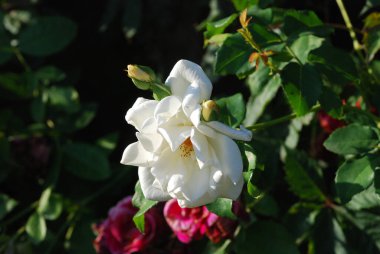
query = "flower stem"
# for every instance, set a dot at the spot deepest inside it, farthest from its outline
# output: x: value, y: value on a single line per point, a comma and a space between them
x: 276, y: 121
x: 347, y: 21
x: 21, y: 59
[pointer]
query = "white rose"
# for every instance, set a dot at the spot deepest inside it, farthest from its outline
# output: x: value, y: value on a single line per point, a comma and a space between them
x: 178, y: 155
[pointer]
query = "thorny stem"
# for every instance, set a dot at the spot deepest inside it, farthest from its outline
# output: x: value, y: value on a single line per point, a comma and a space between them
x: 276, y: 121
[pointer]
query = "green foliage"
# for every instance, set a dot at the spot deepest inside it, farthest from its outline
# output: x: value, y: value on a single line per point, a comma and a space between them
x: 222, y: 207
x: 352, y: 139
x: 143, y: 204
x: 6, y: 205
x: 353, y: 177
x: 36, y: 227
x: 47, y: 35
x: 300, y: 181
x: 231, y: 110
x: 302, y: 85
x: 265, y: 237
x: 86, y: 161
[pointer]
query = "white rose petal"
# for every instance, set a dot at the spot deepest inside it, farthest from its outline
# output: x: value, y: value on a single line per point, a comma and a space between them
x: 179, y: 155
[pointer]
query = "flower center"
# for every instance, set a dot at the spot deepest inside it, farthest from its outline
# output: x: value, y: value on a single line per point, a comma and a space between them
x: 186, y: 148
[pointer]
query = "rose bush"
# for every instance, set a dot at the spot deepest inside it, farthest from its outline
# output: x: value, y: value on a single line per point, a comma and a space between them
x: 179, y: 155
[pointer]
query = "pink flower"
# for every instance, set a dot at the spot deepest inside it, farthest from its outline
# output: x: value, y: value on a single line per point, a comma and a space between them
x: 118, y: 234
x: 193, y: 223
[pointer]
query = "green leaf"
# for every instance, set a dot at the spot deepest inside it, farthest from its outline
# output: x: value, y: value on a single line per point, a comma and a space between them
x: 367, y: 199
x: 369, y: 4
x: 300, y: 181
x: 143, y: 204
x: 352, y: 139
x: 263, y: 36
x: 331, y: 103
x: 377, y: 182
x: 81, y: 240
x: 266, y: 206
x: 50, y: 205
x: 36, y: 228
x: 232, y: 57
x: 263, y: 89
x: 242, y: 4
x: 108, y: 142
x: 62, y: 98
x: 303, y: 45
x: 232, y: 109
x: 327, y: 235
x: 373, y: 43
x: 86, y: 161
x: 6, y: 205
x: 218, y: 27
x: 38, y: 109
x: 222, y: 207
x: 50, y: 74
x: 297, y: 23
x: 302, y: 86
x: 265, y: 237
x: 353, y: 177
x: 47, y: 35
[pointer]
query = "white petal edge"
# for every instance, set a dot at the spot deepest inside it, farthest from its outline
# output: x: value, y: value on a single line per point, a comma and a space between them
x: 150, y: 190
x: 191, y: 72
x: 141, y: 110
x: 228, y: 157
x: 136, y: 155
x: 242, y: 134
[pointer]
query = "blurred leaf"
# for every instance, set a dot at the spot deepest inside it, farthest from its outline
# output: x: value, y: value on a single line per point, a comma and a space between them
x: 352, y: 139
x: 38, y: 109
x: 36, y: 228
x: 63, y: 98
x: 50, y: 205
x: 47, y: 35
x: 331, y: 103
x: 369, y: 223
x: 372, y: 20
x: 86, y: 161
x: 300, y: 181
x: 232, y: 57
x: 366, y: 199
x: 353, y: 177
x: 377, y: 181
x: 327, y: 234
x: 16, y: 84
x: 262, y: 94
x: 358, y: 116
x: 335, y: 63
x: 373, y: 43
x: 81, y: 240
x: 242, y: 4
x: 218, y: 27
x: 263, y: 36
x: 6, y: 205
x: 108, y: 142
x: 222, y: 207
x: 368, y: 5
x: 265, y: 237
x: 297, y: 23
x: 303, y: 45
x: 266, y: 206
x: 131, y: 17
x: 50, y: 74
x: 302, y: 86
x: 143, y: 204
x: 232, y: 109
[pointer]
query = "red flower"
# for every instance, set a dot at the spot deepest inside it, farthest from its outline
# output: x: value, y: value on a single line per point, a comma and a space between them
x: 328, y: 123
x: 118, y: 234
x: 193, y: 223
